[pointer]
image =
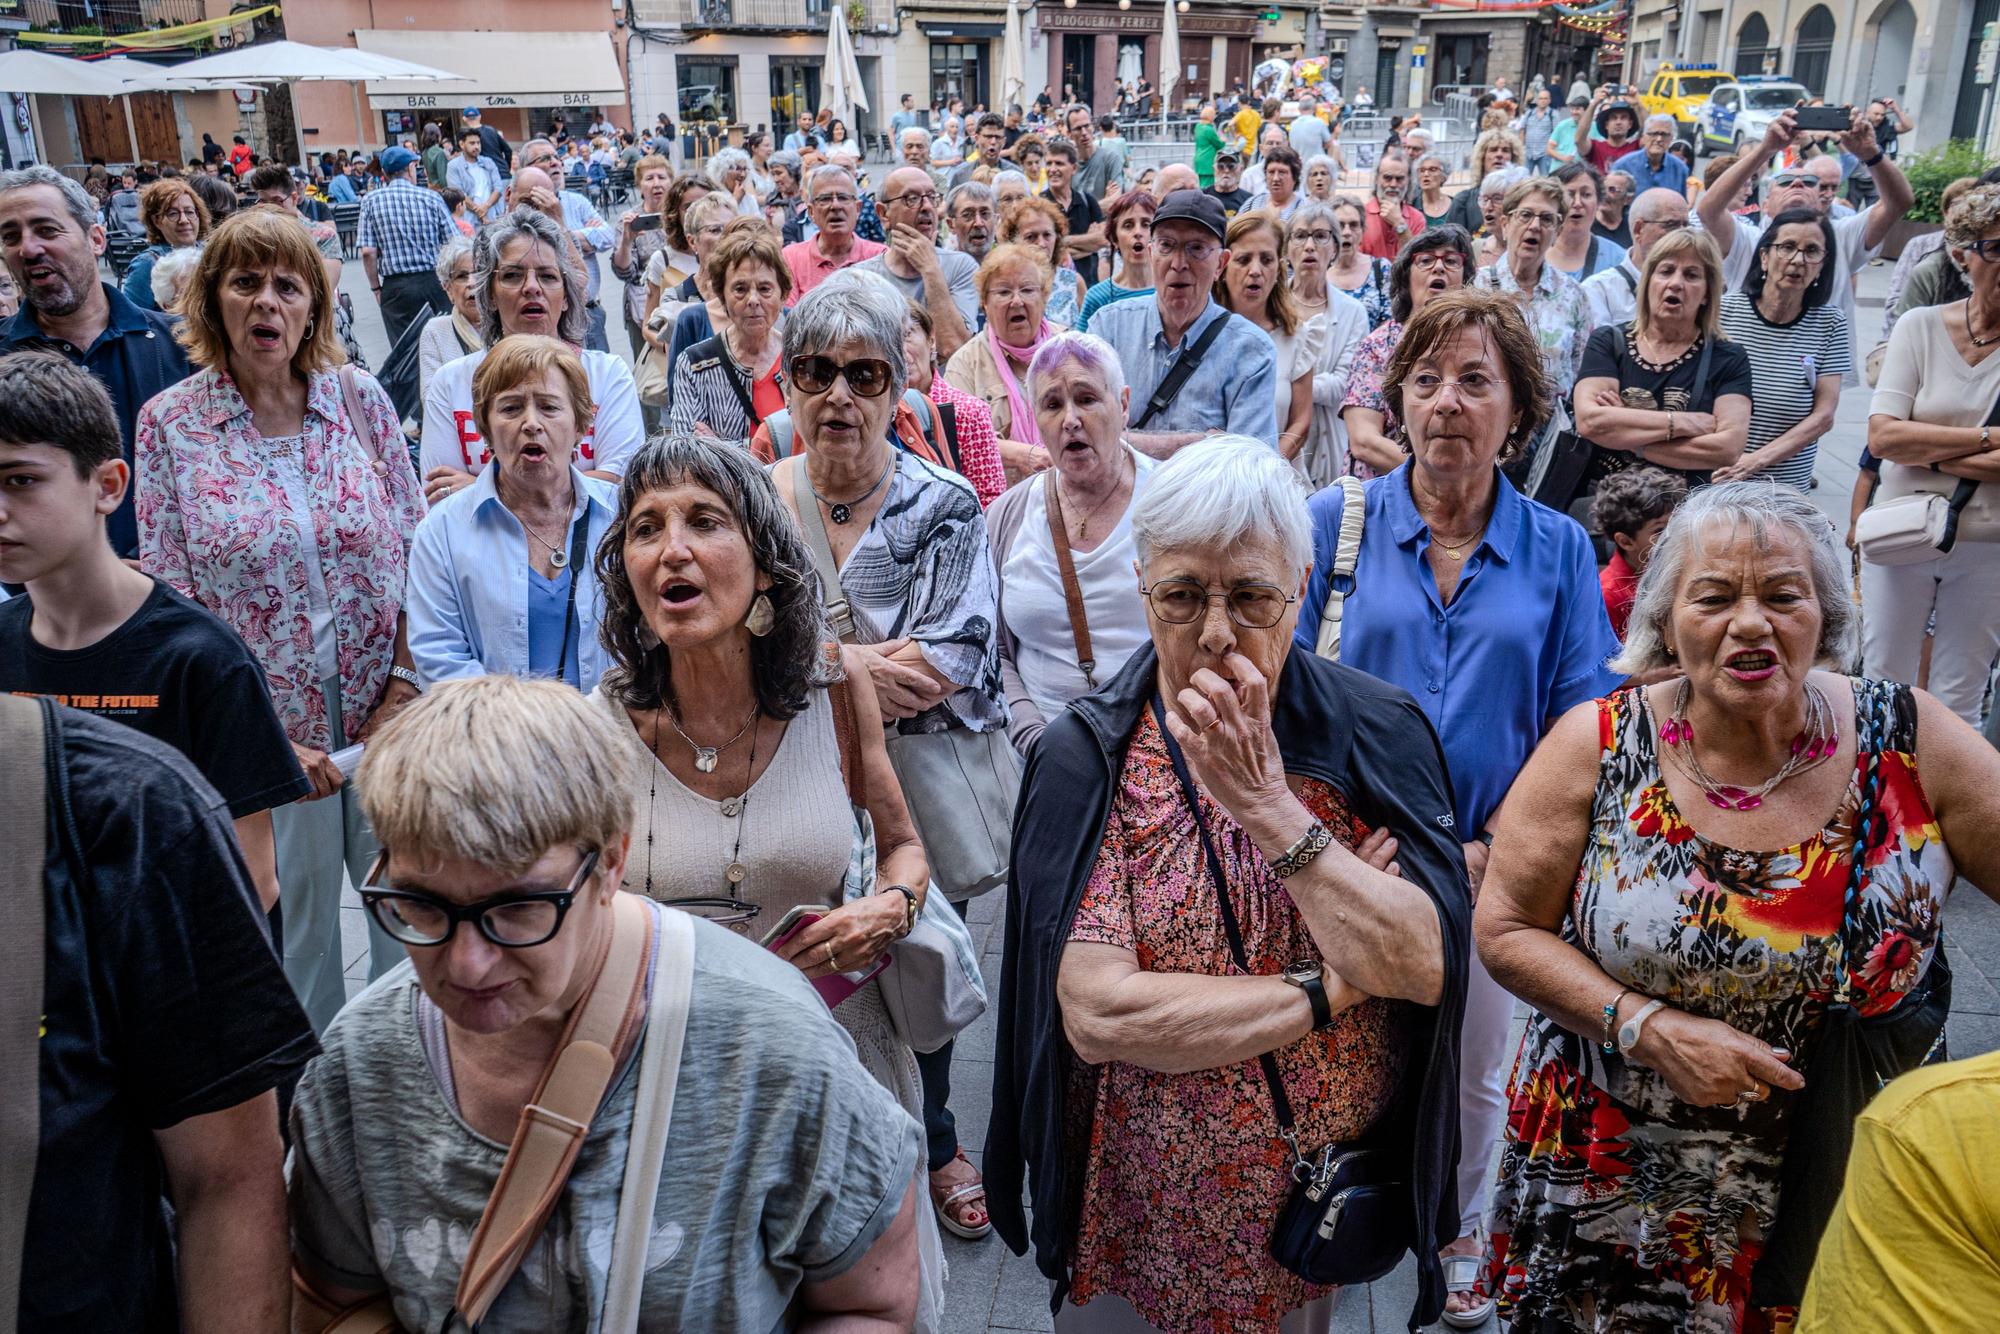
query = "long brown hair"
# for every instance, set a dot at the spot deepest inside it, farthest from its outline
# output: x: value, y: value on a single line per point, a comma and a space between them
x: 1278, y: 302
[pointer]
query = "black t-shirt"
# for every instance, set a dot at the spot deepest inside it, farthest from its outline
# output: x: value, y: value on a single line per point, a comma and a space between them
x: 1610, y: 354
x: 1084, y: 213
x: 178, y: 674
x: 1622, y: 233
x: 163, y: 1001
x: 1232, y: 200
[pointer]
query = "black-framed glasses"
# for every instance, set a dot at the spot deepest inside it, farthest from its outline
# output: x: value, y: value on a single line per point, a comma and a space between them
x: 1252, y: 606
x: 866, y: 376
x: 513, y: 921
x: 1987, y: 248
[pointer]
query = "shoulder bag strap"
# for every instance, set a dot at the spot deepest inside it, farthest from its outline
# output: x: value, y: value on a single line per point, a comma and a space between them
x: 579, y: 551
x: 26, y: 761
x: 1961, y: 495
x: 1177, y: 374
x: 1701, y: 368
x: 838, y: 613
x: 1079, y: 625
x: 847, y: 734
x: 356, y: 418
x: 1280, y: 1104
x: 734, y: 374
x: 1346, y: 556
x: 645, y: 1149
x: 556, y: 1119
x: 1867, y: 741
x: 948, y: 435
x: 1631, y: 279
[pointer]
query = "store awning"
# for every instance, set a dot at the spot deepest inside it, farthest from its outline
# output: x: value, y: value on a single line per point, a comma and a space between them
x: 519, y: 69
x: 967, y: 31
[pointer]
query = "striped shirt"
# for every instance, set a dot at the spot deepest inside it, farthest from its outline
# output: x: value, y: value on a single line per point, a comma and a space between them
x: 405, y: 225
x: 1787, y: 361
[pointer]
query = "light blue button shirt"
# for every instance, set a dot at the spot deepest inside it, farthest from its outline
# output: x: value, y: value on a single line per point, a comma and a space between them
x: 1234, y: 389
x: 468, y: 584
x: 591, y: 231
x: 1524, y: 638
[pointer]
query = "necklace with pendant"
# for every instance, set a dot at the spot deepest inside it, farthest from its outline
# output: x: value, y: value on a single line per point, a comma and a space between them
x: 735, y: 808
x: 1814, y: 745
x: 842, y: 511
x: 1977, y: 341
x: 707, y: 757
x: 1456, y: 552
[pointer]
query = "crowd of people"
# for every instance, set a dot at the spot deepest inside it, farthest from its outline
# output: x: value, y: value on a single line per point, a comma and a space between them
x: 1329, y: 620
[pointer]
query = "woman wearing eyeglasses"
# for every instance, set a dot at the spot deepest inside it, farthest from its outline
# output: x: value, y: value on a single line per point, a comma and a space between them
x: 1014, y: 281
x: 1559, y: 317
x: 726, y: 385
x: 1798, y: 344
x: 785, y: 1186
x: 1223, y: 768
x: 1436, y: 261
x: 1485, y: 606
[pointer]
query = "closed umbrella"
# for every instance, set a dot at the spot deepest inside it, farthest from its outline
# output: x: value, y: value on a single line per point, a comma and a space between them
x: 1013, y: 60
x: 1170, y: 59
x: 843, y: 73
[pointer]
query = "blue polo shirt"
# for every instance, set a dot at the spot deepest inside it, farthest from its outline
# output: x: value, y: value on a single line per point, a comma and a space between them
x: 1524, y: 639
x: 135, y: 358
x: 1671, y: 174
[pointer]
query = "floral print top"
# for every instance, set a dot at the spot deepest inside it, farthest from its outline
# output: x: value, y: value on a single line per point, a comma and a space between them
x: 1609, y: 1183
x: 1364, y: 384
x: 1373, y: 293
x: 215, y: 523
x: 1558, y: 316
x: 1186, y: 1239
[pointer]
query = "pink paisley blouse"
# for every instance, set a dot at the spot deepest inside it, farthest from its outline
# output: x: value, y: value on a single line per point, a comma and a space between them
x: 215, y: 522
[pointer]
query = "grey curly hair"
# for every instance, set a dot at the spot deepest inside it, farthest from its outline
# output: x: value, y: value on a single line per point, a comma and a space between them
x: 529, y: 224
x: 1972, y: 215
x: 1764, y: 509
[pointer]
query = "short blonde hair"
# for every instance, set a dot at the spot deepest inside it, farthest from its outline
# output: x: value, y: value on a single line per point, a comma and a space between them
x: 258, y: 238
x: 1971, y: 215
x: 519, y: 358
x: 1006, y: 255
x: 496, y: 771
x: 1708, y: 320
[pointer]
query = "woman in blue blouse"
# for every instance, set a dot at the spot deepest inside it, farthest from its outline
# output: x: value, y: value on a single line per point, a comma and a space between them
x: 502, y: 573
x: 1484, y: 606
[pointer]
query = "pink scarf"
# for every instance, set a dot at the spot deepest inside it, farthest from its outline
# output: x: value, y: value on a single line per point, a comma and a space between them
x: 1023, y: 421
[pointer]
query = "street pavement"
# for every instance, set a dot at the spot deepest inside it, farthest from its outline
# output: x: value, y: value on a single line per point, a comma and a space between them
x: 992, y: 1289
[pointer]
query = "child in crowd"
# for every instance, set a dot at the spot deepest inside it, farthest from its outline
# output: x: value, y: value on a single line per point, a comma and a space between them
x: 1631, y: 509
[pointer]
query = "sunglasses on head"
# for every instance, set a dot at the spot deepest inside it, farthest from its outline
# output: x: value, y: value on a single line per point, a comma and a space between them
x: 866, y: 376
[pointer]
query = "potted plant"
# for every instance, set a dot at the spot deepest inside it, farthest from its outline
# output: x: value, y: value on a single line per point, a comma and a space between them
x: 1929, y: 172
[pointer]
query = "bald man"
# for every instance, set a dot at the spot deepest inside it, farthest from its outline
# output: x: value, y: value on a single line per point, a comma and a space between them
x: 1614, y: 294
x: 1174, y: 176
x: 938, y: 280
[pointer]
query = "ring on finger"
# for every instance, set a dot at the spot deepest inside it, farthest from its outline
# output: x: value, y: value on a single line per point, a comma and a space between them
x: 1213, y: 723
x: 831, y: 960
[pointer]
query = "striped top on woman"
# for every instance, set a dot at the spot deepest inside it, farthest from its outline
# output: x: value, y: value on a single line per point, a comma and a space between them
x: 1790, y: 362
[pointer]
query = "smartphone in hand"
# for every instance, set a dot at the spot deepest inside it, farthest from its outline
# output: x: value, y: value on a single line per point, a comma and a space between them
x: 1824, y: 120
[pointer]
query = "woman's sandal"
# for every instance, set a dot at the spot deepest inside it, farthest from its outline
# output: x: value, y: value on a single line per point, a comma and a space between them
x: 956, y: 1204
x: 1463, y: 1273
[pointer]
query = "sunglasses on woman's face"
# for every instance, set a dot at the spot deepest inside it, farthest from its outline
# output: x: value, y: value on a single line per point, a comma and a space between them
x: 866, y: 376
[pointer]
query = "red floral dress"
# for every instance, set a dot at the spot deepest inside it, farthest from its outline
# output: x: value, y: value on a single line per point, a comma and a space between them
x: 1615, y: 1195
x: 1182, y: 1175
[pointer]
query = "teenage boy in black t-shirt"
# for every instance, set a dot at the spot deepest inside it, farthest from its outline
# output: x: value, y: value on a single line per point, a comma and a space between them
x: 97, y: 635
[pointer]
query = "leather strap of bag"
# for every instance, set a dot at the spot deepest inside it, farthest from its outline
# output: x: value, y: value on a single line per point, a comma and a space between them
x: 847, y: 734
x: 1961, y: 495
x: 1177, y: 374
x: 26, y: 759
x: 839, y: 613
x: 1079, y: 625
x: 1280, y: 1104
x: 558, y: 1116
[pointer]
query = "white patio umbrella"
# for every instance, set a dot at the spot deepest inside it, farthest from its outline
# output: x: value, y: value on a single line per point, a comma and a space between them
x: 843, y: 90
x: 42, y: 75
x: 1013, y: 60
x: 1170, y: 59
x: 297, y: 62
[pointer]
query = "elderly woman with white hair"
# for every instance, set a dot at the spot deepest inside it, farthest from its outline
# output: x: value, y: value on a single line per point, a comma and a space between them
x: 729, y: 168
x: 783, y: 1191
x: 1213, y: 966
x: 524, y: 285
x: 455, y: 333
x: 1069, y: 616
x: 1703, y: 886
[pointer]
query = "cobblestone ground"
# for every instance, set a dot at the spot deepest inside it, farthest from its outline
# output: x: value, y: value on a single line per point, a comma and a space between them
x: 992, y: 1289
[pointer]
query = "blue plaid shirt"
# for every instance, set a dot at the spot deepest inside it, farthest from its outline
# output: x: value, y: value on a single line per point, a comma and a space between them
x: 404, y: 224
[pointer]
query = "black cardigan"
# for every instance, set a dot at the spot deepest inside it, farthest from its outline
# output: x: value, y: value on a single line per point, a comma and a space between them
x: 1366, y: 739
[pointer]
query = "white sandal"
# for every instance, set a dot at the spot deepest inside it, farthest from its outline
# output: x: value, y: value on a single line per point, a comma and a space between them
x: 1462, y: 1273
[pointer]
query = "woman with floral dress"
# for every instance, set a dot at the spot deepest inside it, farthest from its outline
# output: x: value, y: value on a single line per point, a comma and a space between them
x: 1672, y: 889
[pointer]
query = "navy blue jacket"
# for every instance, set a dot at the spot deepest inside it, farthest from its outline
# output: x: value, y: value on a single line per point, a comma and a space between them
x: 1366, y: 739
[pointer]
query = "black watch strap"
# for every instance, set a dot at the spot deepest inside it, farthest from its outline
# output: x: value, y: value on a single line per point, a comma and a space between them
x: 1315, y: 990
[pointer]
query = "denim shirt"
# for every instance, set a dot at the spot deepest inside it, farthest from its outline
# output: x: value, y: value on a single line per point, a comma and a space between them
x: 468, y: 586
x: 1234, y: 389
x: 1524, y: 638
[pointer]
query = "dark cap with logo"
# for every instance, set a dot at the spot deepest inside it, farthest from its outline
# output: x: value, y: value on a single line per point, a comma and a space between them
x: 1192, y: 206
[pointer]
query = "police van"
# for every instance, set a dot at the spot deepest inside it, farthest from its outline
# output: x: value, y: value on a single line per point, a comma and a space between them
x: 1678, y: 91
x: 1737, y: 113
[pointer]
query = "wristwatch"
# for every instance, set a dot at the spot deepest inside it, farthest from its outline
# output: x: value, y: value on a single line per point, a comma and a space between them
x: 1305, y: 975
x: 409, y: 677
x: 1628, y: 1036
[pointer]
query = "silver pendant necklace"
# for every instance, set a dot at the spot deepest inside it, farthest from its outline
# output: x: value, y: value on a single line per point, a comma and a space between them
x: 707, y: 757
x: 843, y: 511
x: 558, y: 557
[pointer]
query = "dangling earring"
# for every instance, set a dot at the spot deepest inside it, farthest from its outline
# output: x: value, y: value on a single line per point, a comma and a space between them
x: 310, y: 325
x: 763, y: 618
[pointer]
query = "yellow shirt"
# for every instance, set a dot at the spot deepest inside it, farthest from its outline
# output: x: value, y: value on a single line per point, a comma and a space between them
x: 1914, y: 1245
x: 1249, y: 122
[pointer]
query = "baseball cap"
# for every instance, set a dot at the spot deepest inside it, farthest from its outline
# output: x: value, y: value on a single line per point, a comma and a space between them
x: 470, y: 111
x: 1192, y: 206
x: 1229, y: 152
x: 396, y: 159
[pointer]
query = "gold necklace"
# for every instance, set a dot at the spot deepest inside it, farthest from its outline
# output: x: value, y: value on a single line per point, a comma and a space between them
x: 1083, y: 526
x: 1456, y: 552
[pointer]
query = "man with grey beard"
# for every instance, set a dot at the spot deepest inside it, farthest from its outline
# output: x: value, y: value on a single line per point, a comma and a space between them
x: 968, y: 212
x: 50, y: 240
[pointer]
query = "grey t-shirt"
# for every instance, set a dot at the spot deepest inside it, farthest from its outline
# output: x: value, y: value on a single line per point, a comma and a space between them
x: 959, y: 269
x: 785, y: 1162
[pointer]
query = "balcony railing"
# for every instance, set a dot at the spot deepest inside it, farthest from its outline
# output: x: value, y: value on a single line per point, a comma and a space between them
x: 762, y: 15
x: 110, y: 18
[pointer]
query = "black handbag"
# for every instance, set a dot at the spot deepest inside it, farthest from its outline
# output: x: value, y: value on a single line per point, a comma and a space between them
x: 1847, y: 1063
x: 1350, y: 1217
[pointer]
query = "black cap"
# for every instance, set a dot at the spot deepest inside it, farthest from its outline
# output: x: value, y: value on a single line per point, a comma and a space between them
x: 1229, y: 151
x: 1192, y: 206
